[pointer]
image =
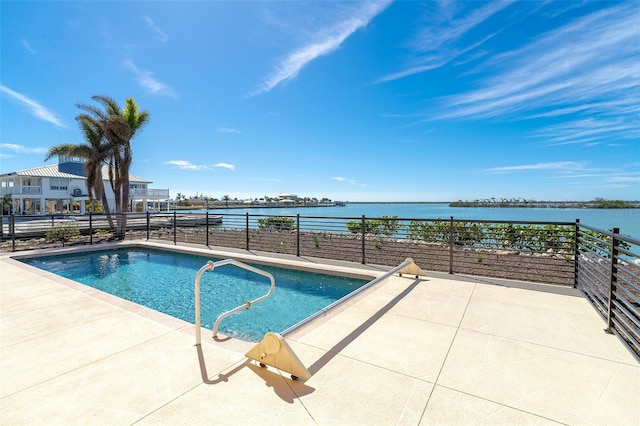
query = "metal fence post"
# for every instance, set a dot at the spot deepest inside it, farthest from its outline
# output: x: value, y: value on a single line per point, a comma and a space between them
x: 247, y: 229
x: 576, y: 254
x: 451, y: 242
x: 613, y: 279
x: 364, y: 233
x: 207, y: 228
x: 298, y: 234
x: 175, y: 227
x: 12, y: 230
x: 90, y: 228
x: 148, y: 224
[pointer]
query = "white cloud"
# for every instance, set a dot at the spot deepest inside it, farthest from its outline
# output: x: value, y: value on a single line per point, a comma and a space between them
x: 326, y: 43
x: 349, y: 181
x: 148, y: 82
x: 435, y: 42
x: 37, y: 110
x: 27, y: 46
x: 588, y: 131
x: 21, y: 149
x: 624, y: 179
x: 558, y: 165
x: 159, y: 34
x: 186, y: 165
x: 593, y: 59
x: 226, y: 166
x: 227, y: 130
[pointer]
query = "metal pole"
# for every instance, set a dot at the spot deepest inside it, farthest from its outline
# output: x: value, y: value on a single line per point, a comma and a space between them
x: 247, y: 230
x: 298, y: 234
x: 148, y: 224
x: 12, y: 230
x: 576, y: 254
x: 175, y: 227
x: 363, y: 239
x: 90, y: 228
x: 207, y: 228
x: 613, y: 279
x: 451, y: 243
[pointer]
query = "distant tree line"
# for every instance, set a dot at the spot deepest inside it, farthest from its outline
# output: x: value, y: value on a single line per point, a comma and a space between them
x: 598, y: 203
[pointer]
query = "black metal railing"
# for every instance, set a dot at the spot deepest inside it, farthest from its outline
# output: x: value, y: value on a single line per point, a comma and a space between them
x: 608, y: 273
x: 603, y: 264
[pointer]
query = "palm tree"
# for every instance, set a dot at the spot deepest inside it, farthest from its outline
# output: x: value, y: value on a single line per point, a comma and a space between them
x: 95, y: 154
x: 118, y: 126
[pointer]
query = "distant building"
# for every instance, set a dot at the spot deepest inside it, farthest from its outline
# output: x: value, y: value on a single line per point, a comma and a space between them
x: 288, y: 196
x: 62, y: 188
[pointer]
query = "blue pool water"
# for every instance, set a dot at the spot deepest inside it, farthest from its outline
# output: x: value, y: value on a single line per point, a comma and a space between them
x: 164, y: 281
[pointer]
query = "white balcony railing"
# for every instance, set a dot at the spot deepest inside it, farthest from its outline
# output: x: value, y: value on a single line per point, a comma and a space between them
x: 32, y: 190
x: 159, y: 193
x: 149, y: 193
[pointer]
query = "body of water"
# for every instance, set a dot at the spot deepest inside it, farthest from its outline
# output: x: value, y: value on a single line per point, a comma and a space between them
x: 628, y: 220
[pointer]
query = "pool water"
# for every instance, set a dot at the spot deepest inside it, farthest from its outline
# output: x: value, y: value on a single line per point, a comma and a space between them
x: 164, y: 281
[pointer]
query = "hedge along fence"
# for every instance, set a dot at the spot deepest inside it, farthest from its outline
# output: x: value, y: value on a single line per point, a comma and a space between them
x: 529, y: 251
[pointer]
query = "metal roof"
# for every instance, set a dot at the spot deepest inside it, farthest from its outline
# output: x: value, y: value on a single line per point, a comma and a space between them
x: 53, y: 171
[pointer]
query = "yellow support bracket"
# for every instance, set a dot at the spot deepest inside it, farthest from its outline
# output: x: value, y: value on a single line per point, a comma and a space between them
x: 274, y: 351
x: 412, y: 269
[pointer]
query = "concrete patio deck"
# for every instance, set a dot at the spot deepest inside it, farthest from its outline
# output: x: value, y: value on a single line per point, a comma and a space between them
x: 439, y: 350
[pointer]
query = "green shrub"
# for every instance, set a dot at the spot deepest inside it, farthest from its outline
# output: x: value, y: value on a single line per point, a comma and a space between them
x: 277, y: 223
x: 439, y: 231
x: 62, y: 233
x: 386, y: 225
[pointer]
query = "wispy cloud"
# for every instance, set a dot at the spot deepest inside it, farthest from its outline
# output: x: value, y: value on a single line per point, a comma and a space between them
x: 437, y: 42
x: 35, y: 108
x: 590, y: 65
x: 576, y: 173
x: 588, y: 131
x: 21, y: 149
x: 349, y: 181
x: 148, y: 82
x: 326, y: 42
x: 27, y: 46
x: 558, y: 165
x: 226, y: 166
x: 163, y: 37
x: 624, y: 176
x: 228, y: 130
x: 186, y: 165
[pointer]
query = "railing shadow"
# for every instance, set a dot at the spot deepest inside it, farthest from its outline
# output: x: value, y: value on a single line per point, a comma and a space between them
x: 221, y: 377
x: 286, y: 390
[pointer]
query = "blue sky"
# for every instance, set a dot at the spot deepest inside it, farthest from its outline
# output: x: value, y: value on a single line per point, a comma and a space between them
x: 355, y: 101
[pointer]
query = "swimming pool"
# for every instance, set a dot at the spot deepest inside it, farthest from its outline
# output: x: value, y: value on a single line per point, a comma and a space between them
x: 164, y: 281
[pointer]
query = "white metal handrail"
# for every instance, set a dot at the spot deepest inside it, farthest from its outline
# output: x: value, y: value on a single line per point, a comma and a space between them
x: 209, y: 266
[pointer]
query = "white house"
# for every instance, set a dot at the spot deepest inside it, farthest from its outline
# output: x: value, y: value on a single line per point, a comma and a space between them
x: 62, y: 188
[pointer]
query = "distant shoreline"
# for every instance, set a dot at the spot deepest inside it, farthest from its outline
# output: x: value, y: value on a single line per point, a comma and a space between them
x: 597, y: 204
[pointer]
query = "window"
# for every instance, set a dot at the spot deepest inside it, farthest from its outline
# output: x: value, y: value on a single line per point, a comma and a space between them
x: 59, y: 184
